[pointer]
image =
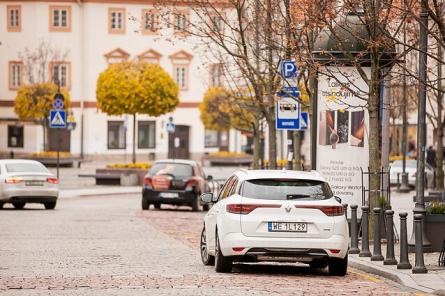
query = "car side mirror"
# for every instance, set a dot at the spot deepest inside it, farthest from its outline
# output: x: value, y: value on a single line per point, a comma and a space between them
x: 338, y: 199
x: 209, y: 178
x: 207, y: 197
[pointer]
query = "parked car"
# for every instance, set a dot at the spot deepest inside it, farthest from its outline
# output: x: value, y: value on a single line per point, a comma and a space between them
x: 27, y: 181
x: 174, y: 182
x: 271, y: 215
x: 411, y: 169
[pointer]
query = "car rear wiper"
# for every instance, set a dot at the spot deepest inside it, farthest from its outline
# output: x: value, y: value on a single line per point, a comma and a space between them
x: 297, y: 196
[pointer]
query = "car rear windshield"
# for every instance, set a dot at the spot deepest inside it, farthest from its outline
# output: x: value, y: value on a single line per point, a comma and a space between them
x: 285, y: 189
x: 178, y: 170
x: 25, y: 168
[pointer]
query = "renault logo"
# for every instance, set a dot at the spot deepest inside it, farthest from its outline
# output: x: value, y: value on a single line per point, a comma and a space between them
x: 288, y: 208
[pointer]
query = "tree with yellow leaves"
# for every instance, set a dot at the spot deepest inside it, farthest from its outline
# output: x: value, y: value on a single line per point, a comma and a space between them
x: 136, y: 88
x: 34, y: 101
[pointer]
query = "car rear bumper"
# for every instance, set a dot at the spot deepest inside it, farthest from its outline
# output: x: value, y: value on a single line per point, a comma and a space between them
x: 183, y: 198
x: 36, y: 195
x: 301, y: 248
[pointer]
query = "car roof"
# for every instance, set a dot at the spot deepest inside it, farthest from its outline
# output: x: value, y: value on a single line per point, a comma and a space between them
x: 244, y: 174
x: 180, y: 161
x: 6, y: 161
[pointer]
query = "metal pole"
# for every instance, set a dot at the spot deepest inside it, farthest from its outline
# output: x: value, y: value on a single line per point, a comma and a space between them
x: 421, y: 124
x: 354, y: 233
x: 419, y: 267
x: 404, y: 260
x: 390, y: 259
x: 365, y: 233
x: 290, y: 149
x: 314, y: 121
x: 58, y: 151
x: 377, y: 253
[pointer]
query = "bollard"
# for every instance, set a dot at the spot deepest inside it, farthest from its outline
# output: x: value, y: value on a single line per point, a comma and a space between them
x: 377, y: 252
x: 404, y: 260
x: 365, y: 233
x: 419, y: 267
x: 390, y: 259
x: 345, y: 209
x: 354, y: 233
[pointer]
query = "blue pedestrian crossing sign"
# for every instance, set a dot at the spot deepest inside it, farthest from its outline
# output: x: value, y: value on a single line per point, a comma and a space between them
x: 304, y: 121
x: 57, y: 119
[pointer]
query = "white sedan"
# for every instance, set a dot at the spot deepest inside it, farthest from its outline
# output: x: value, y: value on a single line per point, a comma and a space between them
x: 411, y: 170
x: 278, y: 216
x: 27, y: 181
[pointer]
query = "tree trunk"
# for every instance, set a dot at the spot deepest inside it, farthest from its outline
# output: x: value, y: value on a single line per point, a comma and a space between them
x: 45, y: 134
x: 256, y: 145
x: 133, y: 158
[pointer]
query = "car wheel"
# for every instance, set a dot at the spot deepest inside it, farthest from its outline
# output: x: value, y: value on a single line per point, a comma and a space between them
x: 18, y: 205
x: 222, y: 263
x: 205, y: 257
x: 157, y: 206
x: 318, y: 264
x: 195, y: 204
x: 145, y: 204
x: 338, y: 266
x: 50, y: 205
x: 205, y: 208
x: 1, y: 205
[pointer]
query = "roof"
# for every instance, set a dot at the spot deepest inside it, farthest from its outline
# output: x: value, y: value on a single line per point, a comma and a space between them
x: 180, y: 161
x: 6, y: 161
x: 286, y: 174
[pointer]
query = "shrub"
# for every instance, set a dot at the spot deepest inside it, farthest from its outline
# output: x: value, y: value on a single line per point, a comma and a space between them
x: 436, y: 207
x: 142, y: 166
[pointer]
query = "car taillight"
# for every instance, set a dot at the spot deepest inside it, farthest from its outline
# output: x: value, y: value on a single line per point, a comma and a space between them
x: 244, y: 209
x: 52, y: 180
x: 192, y: 183
x: 328, y: 210
x: 148, y: 181
x: 13, y: 180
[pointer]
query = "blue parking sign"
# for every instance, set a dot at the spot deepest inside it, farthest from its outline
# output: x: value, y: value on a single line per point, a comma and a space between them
x: 288, y: 69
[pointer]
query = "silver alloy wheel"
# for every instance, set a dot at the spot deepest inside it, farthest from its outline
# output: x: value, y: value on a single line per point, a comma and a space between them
x: 204, y: 252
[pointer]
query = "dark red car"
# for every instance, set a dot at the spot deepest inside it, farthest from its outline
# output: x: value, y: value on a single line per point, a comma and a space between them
x: 175, y: 182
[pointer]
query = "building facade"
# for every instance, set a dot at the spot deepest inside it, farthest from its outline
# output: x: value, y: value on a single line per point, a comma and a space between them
x: 84, y: 37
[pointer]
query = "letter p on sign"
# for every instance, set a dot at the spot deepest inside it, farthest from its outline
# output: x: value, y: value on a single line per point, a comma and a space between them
x: 288, y: 69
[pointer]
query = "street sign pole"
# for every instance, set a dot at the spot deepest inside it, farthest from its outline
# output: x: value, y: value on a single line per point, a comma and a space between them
x: 58, y: 137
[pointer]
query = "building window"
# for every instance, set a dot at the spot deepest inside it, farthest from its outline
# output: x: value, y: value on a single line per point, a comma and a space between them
x: 214, y: 139
x: 116, y: 135
x: 181, y: 22
x: 216, y: 75
x: 15, y: 75
x: 216, y: 23
x: 15, y: 136
x: 14, y: 18
x: 146, y: 134
x: 116, y: 20
x: 60, y: 19
x: 117, y: 56
x: 150, y: 21
x: 150, y: 56
x: 60, y: 72
x: 181, y: 73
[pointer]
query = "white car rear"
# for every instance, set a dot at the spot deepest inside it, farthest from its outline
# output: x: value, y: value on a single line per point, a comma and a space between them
x: 282, y: 216
x: 27, y: 181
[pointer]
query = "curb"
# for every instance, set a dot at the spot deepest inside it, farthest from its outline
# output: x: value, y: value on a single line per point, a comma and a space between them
x: 401, y: 279
x: 67, y: 194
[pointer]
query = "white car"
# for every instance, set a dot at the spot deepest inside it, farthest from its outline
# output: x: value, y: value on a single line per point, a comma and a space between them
x: 27, y: 181
x: 411, y: 170
x: 278, y: 216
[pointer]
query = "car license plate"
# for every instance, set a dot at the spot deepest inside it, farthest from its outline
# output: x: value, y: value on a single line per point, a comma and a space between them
x: 169, y: 194
x: 287, y: 227
x: 34, y: 183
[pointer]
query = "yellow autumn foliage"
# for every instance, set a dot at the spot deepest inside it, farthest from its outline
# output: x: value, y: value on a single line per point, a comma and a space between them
x: 34, y: 101
x: 136, y: 87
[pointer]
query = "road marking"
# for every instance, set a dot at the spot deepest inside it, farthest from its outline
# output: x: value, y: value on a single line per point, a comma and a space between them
x: 365, y: 276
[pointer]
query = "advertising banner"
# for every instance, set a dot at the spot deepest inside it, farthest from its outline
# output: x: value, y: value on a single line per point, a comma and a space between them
x: 342, y: 135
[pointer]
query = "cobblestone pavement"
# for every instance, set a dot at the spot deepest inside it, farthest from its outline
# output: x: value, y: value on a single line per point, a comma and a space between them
x: 107, y: 246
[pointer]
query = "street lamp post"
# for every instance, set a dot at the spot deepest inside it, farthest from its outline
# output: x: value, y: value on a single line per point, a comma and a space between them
x: 421, y: 126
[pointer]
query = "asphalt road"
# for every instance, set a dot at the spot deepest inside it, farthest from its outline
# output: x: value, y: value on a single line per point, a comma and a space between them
x: 108, y: 246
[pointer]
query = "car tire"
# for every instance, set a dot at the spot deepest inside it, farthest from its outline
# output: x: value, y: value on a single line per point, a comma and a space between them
x: 145, y: 204
x: 157, y: 206
x: 205, y: 257
x: 1, y: 205
x: 338, y: 266
x: 18, y: 205
x: 318, y: 264
x: 195, y: 204
x: 205, y: 207
x: 50, y: 205
x: 222, y: 263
